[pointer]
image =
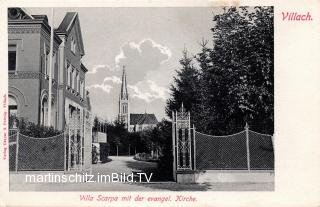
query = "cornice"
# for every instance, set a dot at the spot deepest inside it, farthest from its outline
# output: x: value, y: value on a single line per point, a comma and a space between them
x: 31, y: 75
x: 31, y: 26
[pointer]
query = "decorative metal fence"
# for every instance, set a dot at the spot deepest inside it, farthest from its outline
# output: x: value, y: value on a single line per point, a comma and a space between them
x: 246, y: 150
x: 13, y: 134
x: 261, y: 150
x: 30, y: 153
x: 221, y: 152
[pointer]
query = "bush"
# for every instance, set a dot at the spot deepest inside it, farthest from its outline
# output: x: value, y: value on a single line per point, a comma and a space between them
x: 33, y: 130
x: 95, y: 155
x: 104, y: 152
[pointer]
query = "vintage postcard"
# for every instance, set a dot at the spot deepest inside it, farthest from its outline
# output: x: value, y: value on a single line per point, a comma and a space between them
x: 147, y: 103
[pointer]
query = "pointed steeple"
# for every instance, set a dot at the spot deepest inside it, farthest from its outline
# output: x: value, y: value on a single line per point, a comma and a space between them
x: 124, y: 113
x: 124, y: 91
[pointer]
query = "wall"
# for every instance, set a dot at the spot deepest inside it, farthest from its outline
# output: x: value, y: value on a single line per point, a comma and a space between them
x: 24, y: 87
x: 27, y: 83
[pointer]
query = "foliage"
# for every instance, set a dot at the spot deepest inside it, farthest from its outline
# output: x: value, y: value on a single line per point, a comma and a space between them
x: 94, y: 155
x: 160, y: 138
x: 33, y: 130
x: 104, y: 152
x: 143, y: 157
x: 233, y: 83
x: 139, y: 142
x: 186, y: 88
x: 95, y: 124
x: 117, y: 137
x: 152, y: 139
x: 99, y: 125
x: 165, y: 162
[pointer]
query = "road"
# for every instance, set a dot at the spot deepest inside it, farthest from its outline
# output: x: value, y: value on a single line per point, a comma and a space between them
x: 122, y: 164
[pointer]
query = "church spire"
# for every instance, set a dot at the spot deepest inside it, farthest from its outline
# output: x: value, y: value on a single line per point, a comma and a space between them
x: 124, y: 91
x: 124, y: 113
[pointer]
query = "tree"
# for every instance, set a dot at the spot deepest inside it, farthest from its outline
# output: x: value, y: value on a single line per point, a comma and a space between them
x: 233, y: 83
x: 242, y: 59
x: 165, y: 140
x: 185, y: 88
x: 95, y: 124
x: 117, y: 136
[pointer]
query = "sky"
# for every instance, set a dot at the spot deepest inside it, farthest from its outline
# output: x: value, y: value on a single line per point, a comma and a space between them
x: 147, y: 41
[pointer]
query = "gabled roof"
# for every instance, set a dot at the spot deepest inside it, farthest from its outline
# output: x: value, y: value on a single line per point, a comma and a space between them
x: 139, y: 119
x: 67, y: 20
x: 70, y: 20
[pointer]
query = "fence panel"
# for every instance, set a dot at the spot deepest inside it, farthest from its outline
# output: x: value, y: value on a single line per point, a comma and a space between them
x: 221, y: 152
x: 230, y: 152
x: 12, y: 149
x: 261, y: 151
x: 41, y: 153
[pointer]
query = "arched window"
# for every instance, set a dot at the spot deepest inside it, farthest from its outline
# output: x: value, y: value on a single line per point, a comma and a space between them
x: 13, y: 106
x: 77, y: 82
x: 124, y: 108
x: 44, y: 112
x: 73, y: 45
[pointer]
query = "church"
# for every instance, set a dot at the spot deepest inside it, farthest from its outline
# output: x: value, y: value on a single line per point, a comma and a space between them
x: 133, y: 122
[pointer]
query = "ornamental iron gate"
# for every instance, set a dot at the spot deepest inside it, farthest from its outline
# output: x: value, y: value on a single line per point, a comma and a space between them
x: 182, y: 142
x: 74, y: 140
x: 79, y: 140
x: 246, y: 150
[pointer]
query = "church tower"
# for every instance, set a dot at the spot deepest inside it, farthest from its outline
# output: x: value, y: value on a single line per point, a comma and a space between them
x: 124, y: 115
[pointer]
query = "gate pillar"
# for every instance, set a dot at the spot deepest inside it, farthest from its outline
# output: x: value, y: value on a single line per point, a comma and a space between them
x: 183, y: 163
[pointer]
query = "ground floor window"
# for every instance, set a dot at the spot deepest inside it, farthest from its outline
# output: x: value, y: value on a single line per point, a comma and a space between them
x: 13, y: 106
x: 12, y: 57
x: 45, y: 113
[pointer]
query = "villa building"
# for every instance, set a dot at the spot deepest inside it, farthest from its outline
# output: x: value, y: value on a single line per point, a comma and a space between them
x: 28, y: 71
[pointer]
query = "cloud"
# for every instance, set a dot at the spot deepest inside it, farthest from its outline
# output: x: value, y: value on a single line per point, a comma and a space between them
x: 163, y: 49
x: 119, y: 57
x: 113, y: 79
x: 96, y: 68
x: 146, y: 66
x: 148, y: 91
x: 105, y: 87
x: 140, y: 58
x: 161, y: 92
